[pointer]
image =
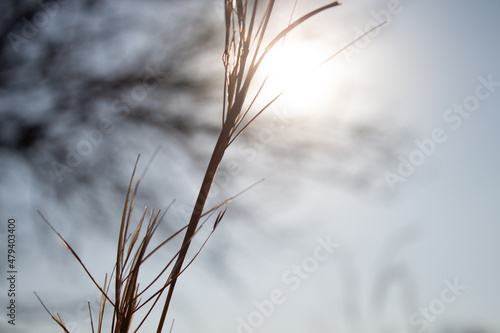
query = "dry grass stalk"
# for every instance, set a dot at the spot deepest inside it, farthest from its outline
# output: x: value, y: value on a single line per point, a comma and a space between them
x: 131, y: 255
x: 243, y: 54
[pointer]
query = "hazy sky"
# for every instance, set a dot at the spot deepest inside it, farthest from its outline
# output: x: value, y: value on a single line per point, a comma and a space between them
x: 433, y: 216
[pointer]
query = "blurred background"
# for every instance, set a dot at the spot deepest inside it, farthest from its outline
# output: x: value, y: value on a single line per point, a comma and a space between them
x: 379, y: 210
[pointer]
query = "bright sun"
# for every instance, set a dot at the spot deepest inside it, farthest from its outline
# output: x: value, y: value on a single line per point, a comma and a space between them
x: 294, y: 66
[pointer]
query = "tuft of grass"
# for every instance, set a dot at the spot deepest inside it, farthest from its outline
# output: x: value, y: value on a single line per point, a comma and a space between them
x: 244, y: 52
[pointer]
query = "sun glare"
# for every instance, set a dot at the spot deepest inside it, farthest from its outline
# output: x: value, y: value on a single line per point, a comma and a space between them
x: 293, y: 67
